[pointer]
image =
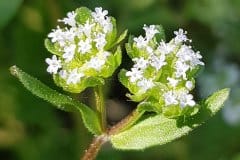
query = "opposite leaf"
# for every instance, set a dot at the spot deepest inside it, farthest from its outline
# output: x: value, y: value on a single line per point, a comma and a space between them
x: 159, y: 130
x: 61, y: 101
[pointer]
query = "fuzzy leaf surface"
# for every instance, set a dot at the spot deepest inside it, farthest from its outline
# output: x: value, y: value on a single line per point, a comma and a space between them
x: 61, y: 101
x: 158, y: 130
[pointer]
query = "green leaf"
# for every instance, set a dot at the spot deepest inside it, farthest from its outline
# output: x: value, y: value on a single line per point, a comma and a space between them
x: 83, y: 14
x: 59, y: 100
x: 51, y: 47
x: 158, y: 130
x: 118, y: 56
x: 120, y: 38
x: 215, y: 102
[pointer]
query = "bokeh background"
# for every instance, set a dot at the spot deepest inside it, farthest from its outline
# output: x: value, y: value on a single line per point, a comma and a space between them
x: 31, y: 129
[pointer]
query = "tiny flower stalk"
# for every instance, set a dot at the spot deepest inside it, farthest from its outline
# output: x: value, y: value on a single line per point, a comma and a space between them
x: 85, y: 52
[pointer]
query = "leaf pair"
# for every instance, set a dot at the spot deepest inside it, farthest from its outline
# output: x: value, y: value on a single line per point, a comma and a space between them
x: 156, y: 130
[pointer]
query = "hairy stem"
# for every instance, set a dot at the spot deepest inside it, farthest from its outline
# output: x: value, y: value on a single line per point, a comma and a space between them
x: 126, y: 122
x: 100, y: 106
x: 92, y: 151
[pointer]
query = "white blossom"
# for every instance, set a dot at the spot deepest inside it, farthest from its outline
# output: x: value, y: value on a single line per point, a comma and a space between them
x: 140, y: 63
x: 186, y: 54
x: 145, y: 84
x: 189, y: 85
x: 165, y: 48
x: 87, y: 28
x: 181, y: 69
x: 56, y: 35
x: 99, y: 14
x: 134, y: 75
x: 150, y: 31
x: 74, y: 77
x: 140, y: 42
x: 70, y: 34
x: 70, y: 19
x: 172, y: 82
x: 107, y: 25
x: 95, y: 63
x: 186, y: 99
x: 104, y: 54
x: 158, y: 61
x: 100, y: 41
x: 180, y: 36
x: 84, y: 46
x: 69, y: 52
x: 170, y: 98
x: 63, y: 74
x: 53, y: 64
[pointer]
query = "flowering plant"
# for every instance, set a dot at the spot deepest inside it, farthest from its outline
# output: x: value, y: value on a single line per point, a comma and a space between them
x: 86, y: 51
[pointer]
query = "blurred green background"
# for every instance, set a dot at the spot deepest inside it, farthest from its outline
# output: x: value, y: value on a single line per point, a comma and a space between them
x: 31, y: 129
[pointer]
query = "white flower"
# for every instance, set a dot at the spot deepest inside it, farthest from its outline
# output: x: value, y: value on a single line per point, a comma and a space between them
x: 87, y: 28
x: 53, y: 64
x: 145, y: 84
x: 84, y: 46
x: 149, y: 50
x: 158, y: 61
x: 189, y: 85
x: 140, y: 63
x: 135, y: 74
x: 181, y: 69
x: 95, y: 63
x: 140, y: 42
x: 99, y: 14
x: 196, y: 59
x: 186, y: 54
x: 100, y: 41
x: 172, y: 82
x: 74, y: 77
x: 69, y: 52
x: 107, y: 25
x: 170, y: 98
x: 56, y: 35
x: 165, y: 48
x: 70, y: 19
x: 103, y: 55
x: 63, y: 74
x: 69, y: 34
x: 180, y: 36
x: 150, y: 31
x: 186, y: 99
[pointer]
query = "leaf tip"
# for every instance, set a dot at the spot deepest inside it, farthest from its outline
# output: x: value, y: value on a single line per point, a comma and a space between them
x: 14, y: 70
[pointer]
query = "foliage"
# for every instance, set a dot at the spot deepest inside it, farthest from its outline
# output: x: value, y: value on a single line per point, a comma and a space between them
x: 40, y: 127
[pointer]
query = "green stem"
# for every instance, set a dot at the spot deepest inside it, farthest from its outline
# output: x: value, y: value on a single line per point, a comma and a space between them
x: 126, y: 123
x: 100, y: 106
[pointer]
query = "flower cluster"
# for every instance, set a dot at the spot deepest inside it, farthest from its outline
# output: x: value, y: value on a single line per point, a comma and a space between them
x: 81, y: 49
x: 162, y: 71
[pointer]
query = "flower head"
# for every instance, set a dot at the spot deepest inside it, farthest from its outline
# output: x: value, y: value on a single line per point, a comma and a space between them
x: 162, y: 71
x: 83, y: 49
